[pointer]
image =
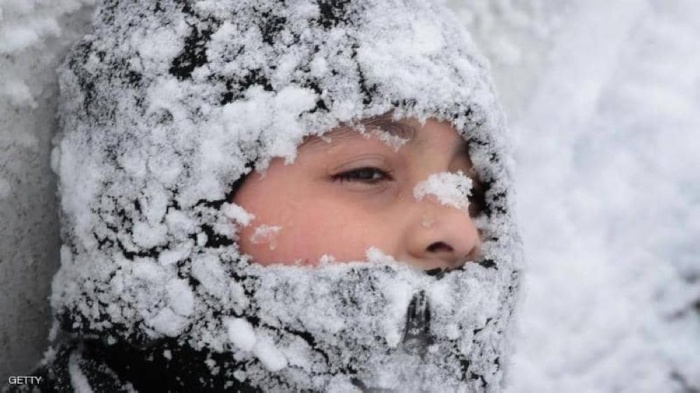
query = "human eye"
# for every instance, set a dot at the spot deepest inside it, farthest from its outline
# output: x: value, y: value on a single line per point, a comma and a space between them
x: 366, y: 175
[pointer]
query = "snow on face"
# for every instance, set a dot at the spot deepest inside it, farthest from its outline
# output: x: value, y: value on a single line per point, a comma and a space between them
x: 450, y: 189
x: 347, y: 192
x: 156, y: 139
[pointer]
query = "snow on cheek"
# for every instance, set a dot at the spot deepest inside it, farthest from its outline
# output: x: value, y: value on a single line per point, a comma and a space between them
x: 266, y: 234
x: 326, y: 259
x: 450, y: 189
x: 237, y: 214
x: 377, y: 256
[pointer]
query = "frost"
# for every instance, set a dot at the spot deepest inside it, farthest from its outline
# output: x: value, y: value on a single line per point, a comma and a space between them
x: 451, y: 189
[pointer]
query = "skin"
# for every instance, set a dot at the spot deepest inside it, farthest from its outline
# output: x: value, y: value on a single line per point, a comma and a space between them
x: 347, y: 192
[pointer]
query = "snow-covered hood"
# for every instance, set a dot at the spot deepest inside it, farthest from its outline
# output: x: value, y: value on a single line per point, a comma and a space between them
x: 165, y: 107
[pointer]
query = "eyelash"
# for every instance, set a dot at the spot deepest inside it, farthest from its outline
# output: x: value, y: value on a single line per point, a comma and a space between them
x: 359, y: 175
x: 477, y: 201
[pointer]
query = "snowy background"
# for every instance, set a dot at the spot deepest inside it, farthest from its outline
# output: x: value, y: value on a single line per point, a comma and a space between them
x: 604, y: 104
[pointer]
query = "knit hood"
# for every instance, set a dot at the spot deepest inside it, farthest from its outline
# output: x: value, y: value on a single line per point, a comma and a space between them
x: 168, y: 105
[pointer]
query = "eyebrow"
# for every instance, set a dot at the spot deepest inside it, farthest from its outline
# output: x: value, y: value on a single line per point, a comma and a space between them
x: 394, y: 127
x: 383, y: 123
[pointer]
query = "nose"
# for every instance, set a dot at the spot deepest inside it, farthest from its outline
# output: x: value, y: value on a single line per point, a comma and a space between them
x: 441, y: 237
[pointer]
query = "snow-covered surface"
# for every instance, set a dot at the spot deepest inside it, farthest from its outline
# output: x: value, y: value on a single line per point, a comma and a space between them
x: 610, y: 200
x: 604, y: 100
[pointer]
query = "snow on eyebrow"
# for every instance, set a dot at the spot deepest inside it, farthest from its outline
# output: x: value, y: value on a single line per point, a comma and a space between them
x: 394, y: 133
x: 392, y: 140
x: 451, y: 189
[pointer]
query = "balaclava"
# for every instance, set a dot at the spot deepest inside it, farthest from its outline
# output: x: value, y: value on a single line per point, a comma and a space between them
x: 167, y: 105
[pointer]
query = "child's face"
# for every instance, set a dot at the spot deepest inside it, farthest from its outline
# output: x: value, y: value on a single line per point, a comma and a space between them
x: 347, y: 192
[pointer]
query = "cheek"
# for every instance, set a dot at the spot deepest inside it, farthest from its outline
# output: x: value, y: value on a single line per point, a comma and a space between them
x: 265, y: 238
x: 342, y: 232
x: 311, y: 230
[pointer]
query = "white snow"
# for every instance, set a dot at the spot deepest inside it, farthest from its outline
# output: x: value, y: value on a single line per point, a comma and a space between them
x: 211, y: 274
x: 180, y: 297
x: 237, y: 214
x: 178, y: 254
x: 266, y: 234
x: 603, y: 105
x: 168, y: 322
x: 77, y: 377
x: 241, y: 333
x: 450, y: 189
x: 608, y: 192
x: 271, y: 357
x: 147, y: 270
x: 393, y: 141
x: 149, y: 236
